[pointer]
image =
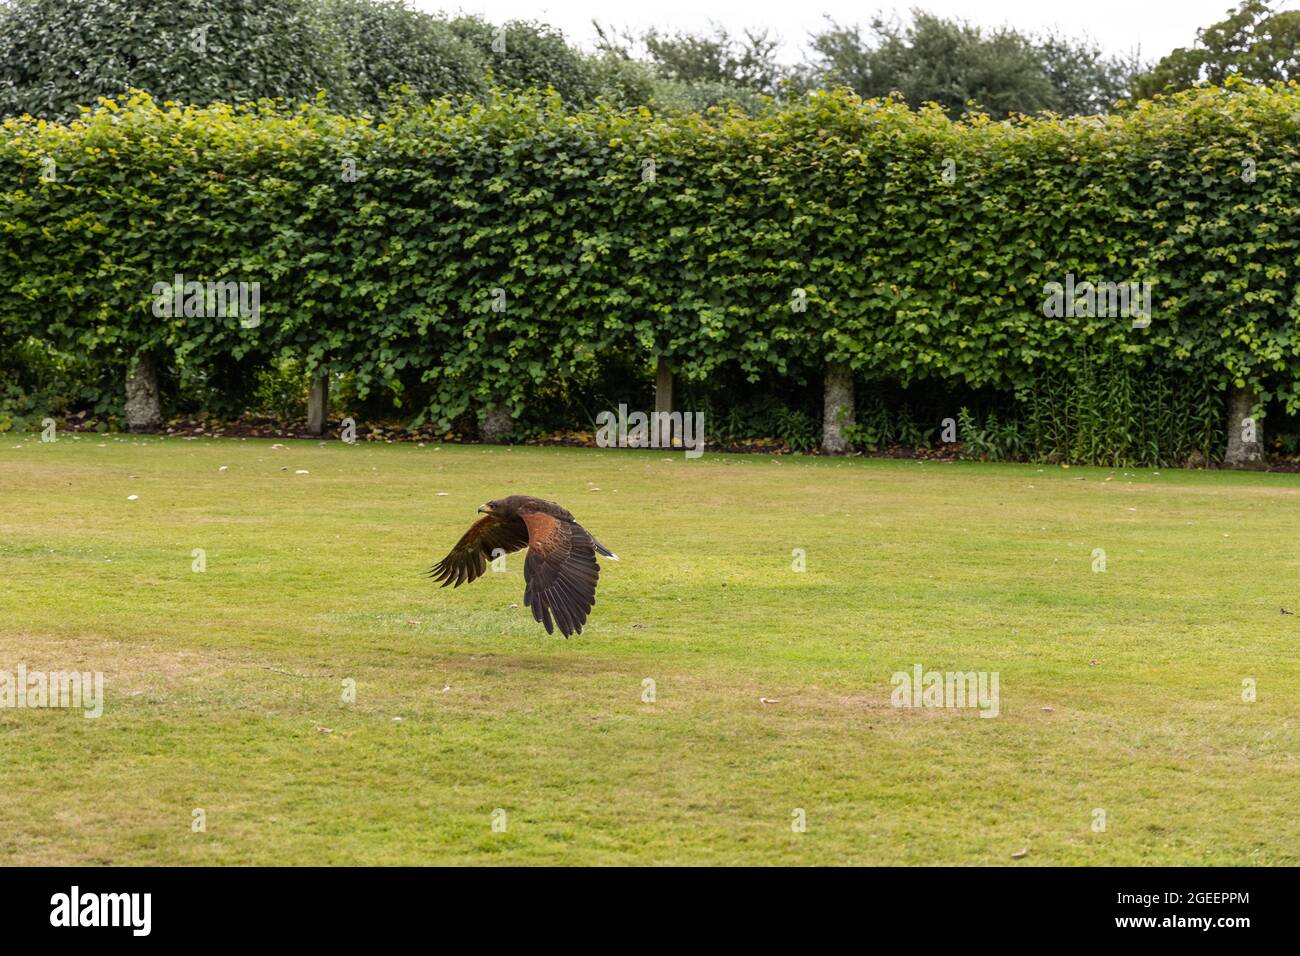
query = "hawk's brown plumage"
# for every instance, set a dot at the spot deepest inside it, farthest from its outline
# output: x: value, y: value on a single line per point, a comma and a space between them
x: 560, y: 572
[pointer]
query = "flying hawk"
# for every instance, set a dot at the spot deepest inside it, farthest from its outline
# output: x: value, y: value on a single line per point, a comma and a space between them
x: 560, y: 571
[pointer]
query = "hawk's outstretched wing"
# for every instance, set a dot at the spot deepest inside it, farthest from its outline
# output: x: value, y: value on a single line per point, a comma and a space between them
x: 469, y: 558
x: 560, y: 571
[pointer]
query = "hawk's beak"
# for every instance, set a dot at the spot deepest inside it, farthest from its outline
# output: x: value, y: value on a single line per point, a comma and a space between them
x: 484, y: 510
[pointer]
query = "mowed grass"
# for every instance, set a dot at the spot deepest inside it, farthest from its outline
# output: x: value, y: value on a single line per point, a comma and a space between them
x: 1119, y: 691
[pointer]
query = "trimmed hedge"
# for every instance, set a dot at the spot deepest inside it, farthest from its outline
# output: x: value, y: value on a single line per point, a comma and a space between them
x: 912, y: 247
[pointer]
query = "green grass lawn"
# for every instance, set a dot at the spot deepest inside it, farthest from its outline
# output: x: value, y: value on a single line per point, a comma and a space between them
x: 1119, y: 691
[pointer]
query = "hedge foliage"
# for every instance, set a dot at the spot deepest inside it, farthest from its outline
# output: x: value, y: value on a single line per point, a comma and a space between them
x: 56, y: 55
x: 488, y: 250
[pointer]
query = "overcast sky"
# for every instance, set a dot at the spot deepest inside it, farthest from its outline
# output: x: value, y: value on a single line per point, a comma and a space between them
x: 1118, y: 26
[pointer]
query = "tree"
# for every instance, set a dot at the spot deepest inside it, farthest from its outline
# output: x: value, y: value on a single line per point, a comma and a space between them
x: 691, y: 72
x: 622, y: 80
x: 1085, y: 80
x: 748, y: 62
x: 56, y: 55
x: 523, y: 54
x: 1254, y: 42
x: 390, y: 44
x: 951, y: 62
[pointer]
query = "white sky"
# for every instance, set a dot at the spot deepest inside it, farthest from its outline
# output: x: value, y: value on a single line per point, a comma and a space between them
x: 1118, y: 26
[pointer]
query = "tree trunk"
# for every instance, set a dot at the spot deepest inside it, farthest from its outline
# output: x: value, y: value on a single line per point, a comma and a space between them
x: 143, y: 405
x: 663, y: 402
x: 1245, y: 432
x: 318, y: 403
x: 494, y: 423
x: 663, y: 386
x: 837, y: 408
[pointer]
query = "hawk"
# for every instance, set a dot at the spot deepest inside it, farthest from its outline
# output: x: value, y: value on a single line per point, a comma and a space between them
x: 560, y: 571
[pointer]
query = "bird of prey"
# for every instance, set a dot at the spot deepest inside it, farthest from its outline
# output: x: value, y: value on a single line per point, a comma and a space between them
x: 560, y: 570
